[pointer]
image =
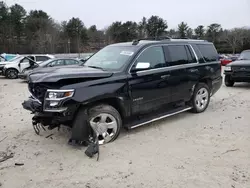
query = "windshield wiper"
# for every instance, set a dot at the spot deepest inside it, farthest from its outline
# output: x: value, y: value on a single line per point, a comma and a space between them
x: 95, y: 67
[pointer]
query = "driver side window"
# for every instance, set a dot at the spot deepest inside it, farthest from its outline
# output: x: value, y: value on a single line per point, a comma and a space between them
x: 153, y: 55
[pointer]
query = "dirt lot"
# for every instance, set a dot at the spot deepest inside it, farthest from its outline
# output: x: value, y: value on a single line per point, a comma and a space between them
x: 211, y: 149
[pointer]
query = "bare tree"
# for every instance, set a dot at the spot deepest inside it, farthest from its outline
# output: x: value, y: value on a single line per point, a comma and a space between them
x: 234, y: 38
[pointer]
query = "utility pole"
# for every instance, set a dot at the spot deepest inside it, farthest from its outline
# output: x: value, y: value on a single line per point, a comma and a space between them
x: 69, y: 45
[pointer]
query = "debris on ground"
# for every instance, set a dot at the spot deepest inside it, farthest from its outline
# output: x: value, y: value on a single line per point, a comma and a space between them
x: 49, y: 135
x: 3, y: 139
x: 232, y: 150
x: 19, y: 164
x: 4, y: 156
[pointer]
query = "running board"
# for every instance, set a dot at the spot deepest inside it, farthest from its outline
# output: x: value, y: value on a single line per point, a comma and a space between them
x: 160, y: 116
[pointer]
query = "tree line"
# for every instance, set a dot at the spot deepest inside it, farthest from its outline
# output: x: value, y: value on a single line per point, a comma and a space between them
x: 37, y: 32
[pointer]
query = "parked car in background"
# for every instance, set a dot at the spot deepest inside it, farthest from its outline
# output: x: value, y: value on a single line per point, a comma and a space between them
x: 84, y: 59
x: 228, y: 60
x: 18, y: 64
x: 239, y: 70
x: 8, y: 57
x: 55, y: 62
x: 222, y: 56
x: 225, y: 61
x: 126, y: 85
x: 2, y: 58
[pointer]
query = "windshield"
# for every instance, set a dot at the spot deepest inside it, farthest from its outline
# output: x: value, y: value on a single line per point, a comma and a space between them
x: 111, y: 57
x: 16, y: 58
x: 245, y: 55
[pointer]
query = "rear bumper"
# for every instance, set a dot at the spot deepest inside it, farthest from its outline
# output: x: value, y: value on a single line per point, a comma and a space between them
x: 216, y: 84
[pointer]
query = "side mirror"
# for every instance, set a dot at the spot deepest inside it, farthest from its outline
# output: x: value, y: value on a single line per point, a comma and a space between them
x: 141, y: 66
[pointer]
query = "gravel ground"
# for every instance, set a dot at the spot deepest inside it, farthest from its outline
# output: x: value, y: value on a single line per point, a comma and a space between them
x: 188, y: 150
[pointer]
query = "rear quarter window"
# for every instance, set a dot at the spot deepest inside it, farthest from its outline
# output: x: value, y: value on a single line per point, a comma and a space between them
x: 208, y: 52
x: 41, y: 58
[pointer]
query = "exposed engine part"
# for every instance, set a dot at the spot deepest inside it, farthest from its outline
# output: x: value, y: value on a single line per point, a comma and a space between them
x: 37, y: 127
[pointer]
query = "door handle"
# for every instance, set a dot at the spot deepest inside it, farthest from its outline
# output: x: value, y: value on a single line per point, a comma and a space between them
x: 165, y: 76
x: 194, y: 70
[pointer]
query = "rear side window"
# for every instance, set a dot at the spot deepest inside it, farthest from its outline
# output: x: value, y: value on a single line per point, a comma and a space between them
x: 208, y: 52
x: 198, y: 53
x: 191, y: 56
x: 71, y: 62
x: 41, y: 58
x: 178, y: 55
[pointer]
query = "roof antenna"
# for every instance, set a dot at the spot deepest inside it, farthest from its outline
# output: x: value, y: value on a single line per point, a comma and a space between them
x: 135, y: 42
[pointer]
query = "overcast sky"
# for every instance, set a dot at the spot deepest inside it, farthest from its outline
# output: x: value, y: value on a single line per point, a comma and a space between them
x: 229, y: 13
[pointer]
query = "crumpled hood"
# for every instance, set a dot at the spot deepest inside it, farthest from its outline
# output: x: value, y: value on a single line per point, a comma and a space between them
x: 240, y: 63
x: 40, y: 69
x: 54, y: 74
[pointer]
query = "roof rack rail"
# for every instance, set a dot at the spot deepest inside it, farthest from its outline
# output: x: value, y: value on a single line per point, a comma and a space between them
x: 187, y: 39
x: 136, y: 41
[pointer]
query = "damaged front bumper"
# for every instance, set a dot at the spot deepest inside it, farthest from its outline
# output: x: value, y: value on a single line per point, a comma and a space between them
x: 32, y: 105
x: 49, y: 119
x: 63, y: 115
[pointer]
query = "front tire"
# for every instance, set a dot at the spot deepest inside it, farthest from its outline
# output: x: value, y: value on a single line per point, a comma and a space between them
x: 201, y: 98
x: 107, y: 122
x: 11, y: 73
x: 228, y: 81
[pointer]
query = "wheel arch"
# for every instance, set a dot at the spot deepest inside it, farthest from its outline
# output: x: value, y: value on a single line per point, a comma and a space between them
x: 207, y: 81
x: 116, y: 102
x: 10, y: 68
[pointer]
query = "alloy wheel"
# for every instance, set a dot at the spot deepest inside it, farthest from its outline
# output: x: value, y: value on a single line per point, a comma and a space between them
x: 106, y: 127
x: 201, y: 98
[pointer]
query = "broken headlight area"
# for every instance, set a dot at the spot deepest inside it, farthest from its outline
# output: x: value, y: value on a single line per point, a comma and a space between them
x: 54, y: 99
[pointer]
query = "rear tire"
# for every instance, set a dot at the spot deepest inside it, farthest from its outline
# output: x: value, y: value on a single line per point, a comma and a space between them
x: 201, y: 98
x: 228, y: 81
x: 11, y: 73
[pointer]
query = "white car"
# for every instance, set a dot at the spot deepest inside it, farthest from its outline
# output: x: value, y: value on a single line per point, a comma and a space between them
x: 16, y: 65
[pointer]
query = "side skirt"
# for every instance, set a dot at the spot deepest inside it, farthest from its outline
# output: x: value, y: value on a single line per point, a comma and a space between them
x: 149, y: 119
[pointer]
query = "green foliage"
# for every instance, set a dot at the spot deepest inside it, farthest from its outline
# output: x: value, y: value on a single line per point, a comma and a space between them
x: 37, y: 32
x: 200, y: 32
x: 122, y: 32
x: 156, y: 26
x: 183, y: 30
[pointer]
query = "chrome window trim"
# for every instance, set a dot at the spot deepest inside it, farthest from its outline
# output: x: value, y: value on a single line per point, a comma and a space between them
x: 167, y: 67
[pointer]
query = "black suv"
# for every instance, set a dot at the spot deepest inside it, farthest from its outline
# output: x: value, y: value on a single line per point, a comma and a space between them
x: 239, y: 70
x: 126, y: 85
